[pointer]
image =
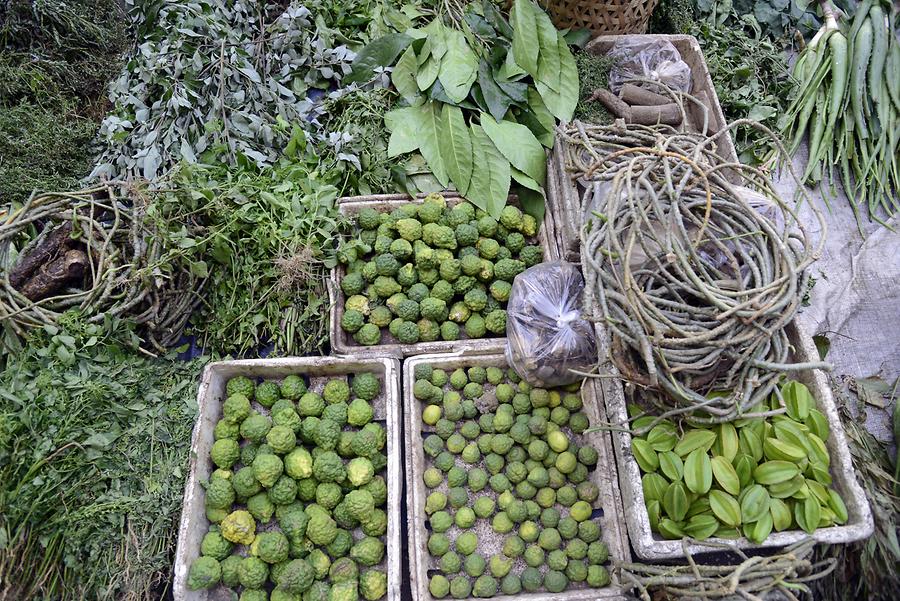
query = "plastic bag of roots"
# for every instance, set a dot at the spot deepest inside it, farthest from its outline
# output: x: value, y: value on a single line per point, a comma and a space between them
x: 656, y: 60
x: 547, y: 335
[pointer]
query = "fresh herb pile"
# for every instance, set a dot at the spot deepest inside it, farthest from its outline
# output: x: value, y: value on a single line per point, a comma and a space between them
x: 511, y: 502
x: 210, y: 82
x: 265, y: 241
x: 483, y: 96
x: 313, y: 459
x: 750, y: 75
x: 94, y: 439
x: 430, y: 271
x: 55, y: 59
x: 747, y: 477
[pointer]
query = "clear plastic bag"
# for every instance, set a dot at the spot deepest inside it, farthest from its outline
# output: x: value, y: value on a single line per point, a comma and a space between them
x: 657, y: 60
x: 547, y: 335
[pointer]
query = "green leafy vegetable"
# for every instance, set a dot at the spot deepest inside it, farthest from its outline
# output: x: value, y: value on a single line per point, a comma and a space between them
x: 94, y: 447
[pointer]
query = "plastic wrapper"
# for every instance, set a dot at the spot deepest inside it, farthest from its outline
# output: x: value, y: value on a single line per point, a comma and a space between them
x: 656, y: 60
x: 547, y: 335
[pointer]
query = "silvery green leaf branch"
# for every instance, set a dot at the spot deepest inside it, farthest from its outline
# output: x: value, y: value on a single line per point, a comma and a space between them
x: 483, y: 95
x: 214, y: 81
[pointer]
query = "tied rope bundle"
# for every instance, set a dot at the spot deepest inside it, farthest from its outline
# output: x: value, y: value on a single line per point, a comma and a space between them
x: 695, y: 285
x: 92, y: 252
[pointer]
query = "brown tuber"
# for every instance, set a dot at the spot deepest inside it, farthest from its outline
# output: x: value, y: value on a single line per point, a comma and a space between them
x: 637, y: 96
x: 667, y: 114
x: 51, y: 277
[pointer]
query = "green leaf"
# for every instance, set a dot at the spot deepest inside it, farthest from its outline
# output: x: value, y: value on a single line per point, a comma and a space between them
x: 524, y: 180
x: 404, y: 75
x: 510, y: 70
x: 549, y: 57
x: 456, y: 147
x: 532, y: 203
x: 428, y: 73
x: 378, y: 53
x: 578, y: 37
x: 459, y: 67
x: 562, y: 103
x: 495, y: 98
x: 436, y: 42
x: 495, y: 18
x: 405, y: 125
x: 430, y: 133
x: 518, y: 145
x: 525, y: 44
x: 489, y: 188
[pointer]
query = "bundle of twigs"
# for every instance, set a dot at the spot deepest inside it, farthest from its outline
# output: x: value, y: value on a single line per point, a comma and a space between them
x: 787, y: 573
x: 695, y: 285
x: 93, y: 251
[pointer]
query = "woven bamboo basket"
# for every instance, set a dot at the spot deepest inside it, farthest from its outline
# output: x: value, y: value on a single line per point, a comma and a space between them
x: 606, y: 17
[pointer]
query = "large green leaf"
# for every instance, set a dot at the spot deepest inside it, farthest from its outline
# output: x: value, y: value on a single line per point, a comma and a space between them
x: 526, y: 46
x: 562, y: 103
x: 405, y: 125
x: 428, y: 73
x: 532, y: 202
x: 524, y: 180
x: 490, y: 174
x: 377, y: 53
x: 456, y: 147
x: 548, y: 59
x: 430, y: 132
x: 459, y: 67
x: 404, y: 75
x: 518, y: 145
x: 495, y: 98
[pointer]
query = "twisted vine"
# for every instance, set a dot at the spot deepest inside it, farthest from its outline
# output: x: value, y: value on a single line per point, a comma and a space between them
x: 754, y: 576
x: 694, y: 284
x: 128, y: 272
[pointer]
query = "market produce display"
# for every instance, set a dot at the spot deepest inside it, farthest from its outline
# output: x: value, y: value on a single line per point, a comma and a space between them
x: 170, y: 176
x: 484, y: 94
x: 510, y: 502
x: 296, y: 502
x: 847, y: 103
x: 94, y: 448
x: 431, y: 271
x: 749, y: 477
x: 697, y: 311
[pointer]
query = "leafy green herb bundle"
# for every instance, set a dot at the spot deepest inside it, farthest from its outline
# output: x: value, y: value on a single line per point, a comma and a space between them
x: 94, y: 439
x: 750, y: 75
x: 265, y: 240
x: 483, y: 94
x: 55, y: 59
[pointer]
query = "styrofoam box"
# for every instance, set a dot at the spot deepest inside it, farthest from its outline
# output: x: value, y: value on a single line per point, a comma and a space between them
x: 210, y: 396
x: 342, y: 342
x: 604, y: 476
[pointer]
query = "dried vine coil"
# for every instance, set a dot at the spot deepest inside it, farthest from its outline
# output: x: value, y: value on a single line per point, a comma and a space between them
x: 127, y: 274
x: 752, y: 578
x: 694, y: 284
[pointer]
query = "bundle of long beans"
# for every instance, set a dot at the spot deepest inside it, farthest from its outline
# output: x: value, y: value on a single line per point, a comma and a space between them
x: 125, y: 272
x: 787, y: 573
x: 848, y: 102
x: 694, y: 284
